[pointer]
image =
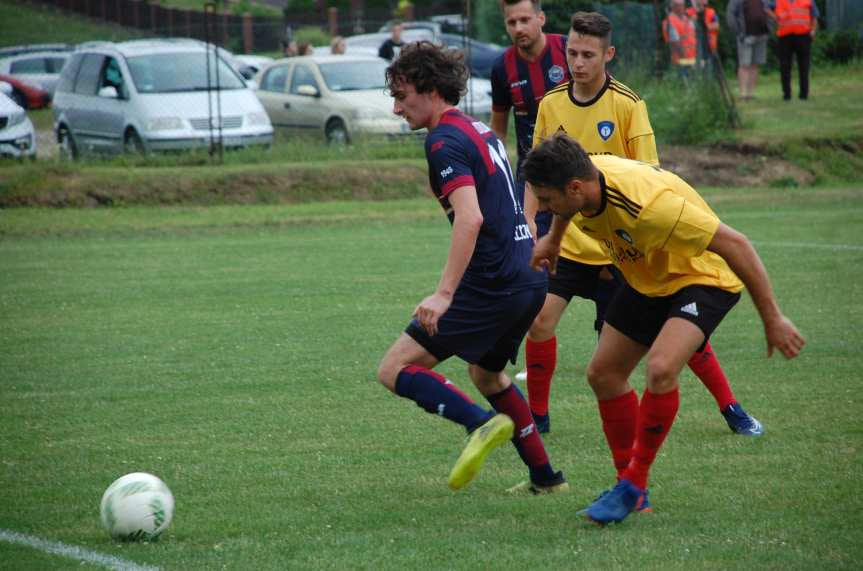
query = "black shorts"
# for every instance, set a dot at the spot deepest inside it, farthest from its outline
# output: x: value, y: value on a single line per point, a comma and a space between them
x: 574, y: 278
x: 641, y: 318
x: 481, y: 329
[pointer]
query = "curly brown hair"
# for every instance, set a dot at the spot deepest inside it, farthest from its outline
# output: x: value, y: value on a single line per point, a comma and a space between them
x: 429, y: 68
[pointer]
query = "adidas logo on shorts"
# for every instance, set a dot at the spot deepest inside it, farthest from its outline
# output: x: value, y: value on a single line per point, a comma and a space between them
x: 690, y: 308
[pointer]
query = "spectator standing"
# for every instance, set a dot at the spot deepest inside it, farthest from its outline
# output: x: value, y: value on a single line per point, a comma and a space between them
x: 711, y: 22
x: 305, y: 49
x: 678, y: 30
x: 748, y: 20
x: 290, y: 48
x: 796, y: 24
x: 392, y: 46
x: 338, y: 45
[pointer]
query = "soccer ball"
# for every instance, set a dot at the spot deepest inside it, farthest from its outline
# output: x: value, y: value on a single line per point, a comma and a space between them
x: 137, y: 506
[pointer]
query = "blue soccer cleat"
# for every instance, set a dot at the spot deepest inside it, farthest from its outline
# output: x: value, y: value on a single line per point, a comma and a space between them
x: 740, y: 422
x: 614, y: 505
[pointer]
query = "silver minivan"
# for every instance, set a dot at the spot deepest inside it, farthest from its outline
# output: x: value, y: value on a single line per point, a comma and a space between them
x: 153, y: 95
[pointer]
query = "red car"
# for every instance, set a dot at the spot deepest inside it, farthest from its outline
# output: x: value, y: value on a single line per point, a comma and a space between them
x: 26, y: 94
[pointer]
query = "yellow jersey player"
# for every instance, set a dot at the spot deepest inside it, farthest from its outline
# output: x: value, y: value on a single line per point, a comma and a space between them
x: 607, y: 118
x: 684, y: 271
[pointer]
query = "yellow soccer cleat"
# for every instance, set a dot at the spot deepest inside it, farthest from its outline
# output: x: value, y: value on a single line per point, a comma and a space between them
x: 483, y: 440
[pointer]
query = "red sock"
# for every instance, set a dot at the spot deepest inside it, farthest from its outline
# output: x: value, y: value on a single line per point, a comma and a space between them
x: 526, y: 439
x: 541, y: 359
x: 706, y: 367
x: 655, y: 417
x: 619, y: 417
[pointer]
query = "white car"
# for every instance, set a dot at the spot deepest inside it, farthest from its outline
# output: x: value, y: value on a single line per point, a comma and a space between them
x: 36, y: 67
x: 17, y: 136
x: 153, y: 95
x: 335, y: 96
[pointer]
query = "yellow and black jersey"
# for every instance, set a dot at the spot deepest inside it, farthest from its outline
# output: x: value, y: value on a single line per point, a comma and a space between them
x: 614, y: 122
x: 655, y: 228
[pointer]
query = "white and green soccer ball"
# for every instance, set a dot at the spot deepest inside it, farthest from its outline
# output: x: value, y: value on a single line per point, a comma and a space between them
x: 137, y: 506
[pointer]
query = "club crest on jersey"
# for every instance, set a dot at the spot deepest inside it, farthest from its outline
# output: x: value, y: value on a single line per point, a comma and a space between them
x: 624, y: 235
x: 605, y: 128
x: 555, y: 73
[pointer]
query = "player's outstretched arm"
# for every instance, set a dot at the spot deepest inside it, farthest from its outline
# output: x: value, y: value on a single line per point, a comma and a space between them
x: 742, y: 258
x: 465, y: 229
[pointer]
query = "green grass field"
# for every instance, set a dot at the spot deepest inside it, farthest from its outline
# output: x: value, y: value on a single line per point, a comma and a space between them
x: 232, y: 351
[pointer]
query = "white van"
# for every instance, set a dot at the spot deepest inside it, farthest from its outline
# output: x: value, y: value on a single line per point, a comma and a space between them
x: 153, y: 95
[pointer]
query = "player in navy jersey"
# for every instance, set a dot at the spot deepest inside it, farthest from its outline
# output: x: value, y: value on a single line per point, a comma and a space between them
x: 487, y: 295
x: 521, y: 76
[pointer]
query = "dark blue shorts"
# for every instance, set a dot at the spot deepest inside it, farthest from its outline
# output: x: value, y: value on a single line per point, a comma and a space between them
x: 481, y: 329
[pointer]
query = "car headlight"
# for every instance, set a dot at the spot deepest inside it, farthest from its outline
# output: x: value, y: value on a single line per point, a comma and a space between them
x: 24, y: 143
x: 164, y: 124
x: 15, y: 118
x: 258, y: 118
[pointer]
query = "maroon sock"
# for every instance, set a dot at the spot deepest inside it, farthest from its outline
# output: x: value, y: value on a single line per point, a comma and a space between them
x: 655, y: 417
x: 526, y: 439
x: 541, y: 359
x: 619, y: 418
x: 707, y: 368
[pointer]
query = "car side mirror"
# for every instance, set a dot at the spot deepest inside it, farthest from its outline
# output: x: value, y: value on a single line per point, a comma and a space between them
x: 252, y: 84
x: 109, y: 92
x: 309, y: 90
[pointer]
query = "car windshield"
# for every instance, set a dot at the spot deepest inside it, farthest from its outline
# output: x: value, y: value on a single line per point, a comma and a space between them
x: 354, y: 75
x: 177, y: 72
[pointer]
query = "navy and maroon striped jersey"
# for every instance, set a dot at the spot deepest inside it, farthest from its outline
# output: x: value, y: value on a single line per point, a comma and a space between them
x: 462, y: 151
x: 519, y: 84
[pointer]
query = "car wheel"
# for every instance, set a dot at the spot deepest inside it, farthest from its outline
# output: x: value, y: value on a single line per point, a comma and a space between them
x: 133, y: 144
x: 68, y: 147
x: 337, y: 133
x: 19, y: 98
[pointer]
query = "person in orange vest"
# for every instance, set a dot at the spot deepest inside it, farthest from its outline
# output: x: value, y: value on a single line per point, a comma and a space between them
x: 678, y: 30
x: 796, y: 23
x: 711, y: 22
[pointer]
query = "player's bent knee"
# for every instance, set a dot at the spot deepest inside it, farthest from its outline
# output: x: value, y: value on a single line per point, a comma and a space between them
x: 661, y: 375
x: 387, y: 374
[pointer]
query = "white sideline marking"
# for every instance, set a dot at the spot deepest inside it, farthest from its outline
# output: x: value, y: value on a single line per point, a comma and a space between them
x: 834, y: 247
x: 73, y: 551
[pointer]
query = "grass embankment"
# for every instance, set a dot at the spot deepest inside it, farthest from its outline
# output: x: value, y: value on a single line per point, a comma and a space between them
x: 22, y: 23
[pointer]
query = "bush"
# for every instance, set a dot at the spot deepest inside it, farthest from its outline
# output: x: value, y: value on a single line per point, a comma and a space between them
x: 683, y: 112
x: 837, y: 47
x: 313, y: 35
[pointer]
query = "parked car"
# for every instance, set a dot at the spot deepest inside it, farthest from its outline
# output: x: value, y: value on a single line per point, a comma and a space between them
x: 369, y: 44
x: 480, y: 56
x: 153, y: 95
x: 251, y: 64
x: 337, y: 96
x: 26, y: 93
x: 17, y: 136
x: 41, y: 67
